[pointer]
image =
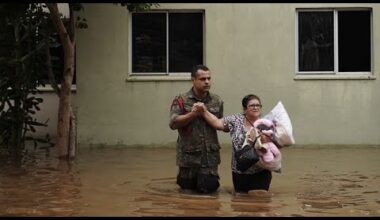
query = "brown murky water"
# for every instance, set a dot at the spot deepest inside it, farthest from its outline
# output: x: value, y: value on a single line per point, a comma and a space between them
x: 141, y: 182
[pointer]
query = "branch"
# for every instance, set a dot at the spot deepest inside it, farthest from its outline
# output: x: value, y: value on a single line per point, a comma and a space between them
x: 49, y: 67
x: 57, y: 22
x: 72, y: 25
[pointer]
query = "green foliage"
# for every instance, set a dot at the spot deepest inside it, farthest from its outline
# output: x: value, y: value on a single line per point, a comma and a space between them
x: 22, y: 66
x: 81, y: 23
x: 27, y: 37
x: 137, y: 7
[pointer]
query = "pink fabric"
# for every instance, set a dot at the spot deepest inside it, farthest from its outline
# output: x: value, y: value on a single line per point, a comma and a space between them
x: 271, y: 159
x: 271, y: 153
x: 264, y: 121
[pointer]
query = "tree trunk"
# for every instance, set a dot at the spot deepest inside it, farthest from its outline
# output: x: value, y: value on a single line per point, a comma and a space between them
x: 18, y: 114
x: 54, y: 85
x: 73, y: 134
x: 64, y: 110
x: 63, y: 126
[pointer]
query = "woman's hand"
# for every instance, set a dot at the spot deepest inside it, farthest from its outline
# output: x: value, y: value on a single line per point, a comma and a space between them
x: 199, y: 107
x: 251, y: 134
x: 265, y: 138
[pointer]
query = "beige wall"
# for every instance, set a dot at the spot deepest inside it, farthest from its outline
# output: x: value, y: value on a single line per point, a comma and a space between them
x: 49, y: 112
x: 250, y: 48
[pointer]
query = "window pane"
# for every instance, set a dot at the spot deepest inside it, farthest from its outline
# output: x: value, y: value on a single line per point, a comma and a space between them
x: 57, y: 62
x: 354, y: 41
x: 316, y: 41
x: 149, y: 42
x: 185, y: 41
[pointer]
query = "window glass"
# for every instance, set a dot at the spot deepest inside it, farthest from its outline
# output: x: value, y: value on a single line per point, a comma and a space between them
x: 150, y: 33
x: 185, y: 41
x: 149, y: 42
x: 354, y: 41
x: 317, y: 36
x: 316, y: 41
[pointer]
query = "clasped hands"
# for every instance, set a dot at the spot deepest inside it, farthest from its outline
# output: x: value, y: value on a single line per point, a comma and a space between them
x: 198, y: 108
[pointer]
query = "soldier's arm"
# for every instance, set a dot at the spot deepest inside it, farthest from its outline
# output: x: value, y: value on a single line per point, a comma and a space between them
x: 179, y: 117
x: 183, y: 120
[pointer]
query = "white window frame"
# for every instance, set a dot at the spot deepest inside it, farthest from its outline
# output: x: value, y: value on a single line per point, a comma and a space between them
x: 335, y: 74
x: 167, y: 76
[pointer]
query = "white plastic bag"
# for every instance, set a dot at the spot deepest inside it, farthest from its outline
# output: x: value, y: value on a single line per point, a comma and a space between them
x: 283, y: 126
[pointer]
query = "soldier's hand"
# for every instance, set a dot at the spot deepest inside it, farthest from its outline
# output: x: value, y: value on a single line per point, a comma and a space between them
x: 198, y: 107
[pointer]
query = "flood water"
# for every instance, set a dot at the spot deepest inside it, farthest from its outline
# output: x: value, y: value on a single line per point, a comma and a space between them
x: 315, y: 181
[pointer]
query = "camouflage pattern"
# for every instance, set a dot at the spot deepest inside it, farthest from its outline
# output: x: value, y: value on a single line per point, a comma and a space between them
x: 197, y: 143
x: 192, y: 172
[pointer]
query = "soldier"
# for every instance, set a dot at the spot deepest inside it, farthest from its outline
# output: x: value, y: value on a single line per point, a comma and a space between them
x: 198, y: 148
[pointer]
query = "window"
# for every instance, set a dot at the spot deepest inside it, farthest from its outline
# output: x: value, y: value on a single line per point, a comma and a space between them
x: 57, y: 61
x: 166, y: 42
x: 334, y: 41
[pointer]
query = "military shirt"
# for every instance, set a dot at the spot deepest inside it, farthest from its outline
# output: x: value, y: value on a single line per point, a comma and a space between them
x: 197, y: 142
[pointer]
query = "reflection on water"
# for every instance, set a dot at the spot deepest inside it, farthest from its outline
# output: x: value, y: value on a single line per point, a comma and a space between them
x: 38, y: 186
x: 315, y: 181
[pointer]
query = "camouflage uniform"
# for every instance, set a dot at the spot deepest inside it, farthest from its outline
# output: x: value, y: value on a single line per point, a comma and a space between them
x: 198, y: 148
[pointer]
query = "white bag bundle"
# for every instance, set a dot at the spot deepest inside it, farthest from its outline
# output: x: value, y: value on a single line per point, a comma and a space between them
x: 283, y: 126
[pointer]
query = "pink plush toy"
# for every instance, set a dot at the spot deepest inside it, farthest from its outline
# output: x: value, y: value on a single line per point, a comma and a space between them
x: 270, y: 155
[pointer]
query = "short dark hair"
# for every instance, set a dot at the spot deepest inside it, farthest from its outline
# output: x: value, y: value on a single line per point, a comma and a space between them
x: 247, y: 98
x: 197, y: 67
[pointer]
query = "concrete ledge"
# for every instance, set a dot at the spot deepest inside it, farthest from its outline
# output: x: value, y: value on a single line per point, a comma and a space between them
x: 172, y: 145
x: 157, y: 78
x: 333, y: 146
x: 48, y: 88
x: 336, y: 77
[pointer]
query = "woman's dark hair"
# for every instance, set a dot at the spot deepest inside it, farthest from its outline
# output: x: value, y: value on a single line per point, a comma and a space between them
x: 247, y: 98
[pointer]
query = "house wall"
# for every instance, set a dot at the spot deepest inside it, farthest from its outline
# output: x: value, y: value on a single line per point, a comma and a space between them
x: 250, y: 48
x: 49, y: 112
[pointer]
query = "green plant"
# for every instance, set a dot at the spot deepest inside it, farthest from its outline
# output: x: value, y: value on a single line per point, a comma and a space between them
x: 22, y: 65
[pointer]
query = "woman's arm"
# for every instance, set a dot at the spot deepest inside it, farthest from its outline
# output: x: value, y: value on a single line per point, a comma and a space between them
x: 210, y: 118
x: 213, y: 120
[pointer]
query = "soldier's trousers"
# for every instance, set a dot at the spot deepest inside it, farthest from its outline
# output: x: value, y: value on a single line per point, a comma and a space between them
x: 200, y: 179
